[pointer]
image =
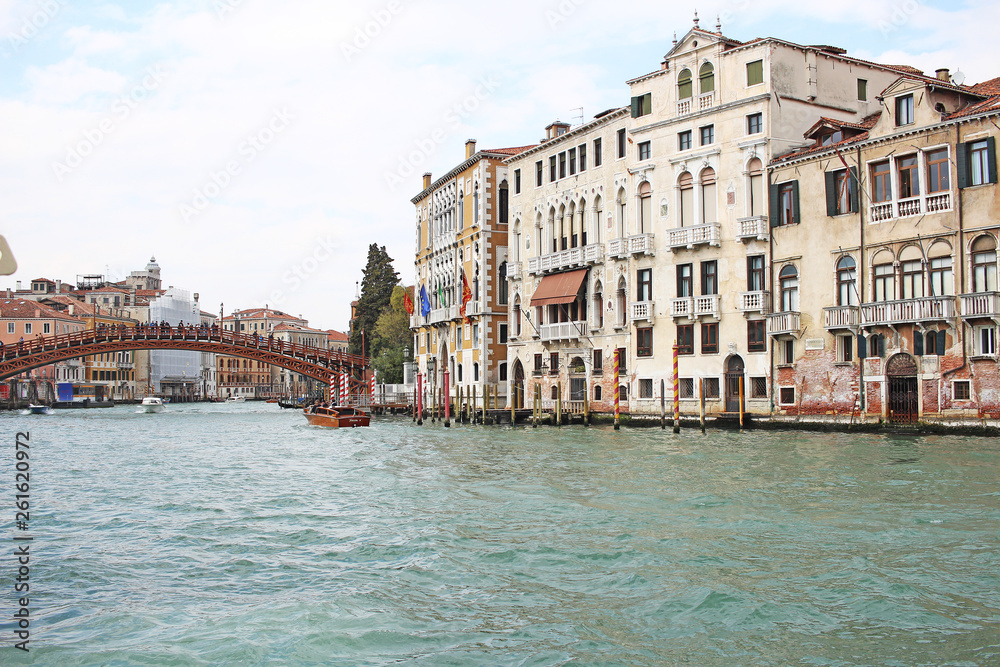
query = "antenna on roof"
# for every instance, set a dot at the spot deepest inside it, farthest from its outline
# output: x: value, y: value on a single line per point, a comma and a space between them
x: 675, y: 38
x: 718, y: 24
x: 576, y: 116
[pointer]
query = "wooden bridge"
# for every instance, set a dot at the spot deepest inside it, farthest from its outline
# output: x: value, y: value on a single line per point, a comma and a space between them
x: 315, y: 362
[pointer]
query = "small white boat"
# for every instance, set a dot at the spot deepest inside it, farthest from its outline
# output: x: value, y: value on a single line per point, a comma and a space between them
x: 39, y: 410
x: 235, y: 399
x: 152, y: 404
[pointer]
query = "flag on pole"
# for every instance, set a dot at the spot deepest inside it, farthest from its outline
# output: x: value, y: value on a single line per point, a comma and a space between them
x: 440, y: 296
x: 425, y: 303
x: 466, y: 297
x: 407, y: 301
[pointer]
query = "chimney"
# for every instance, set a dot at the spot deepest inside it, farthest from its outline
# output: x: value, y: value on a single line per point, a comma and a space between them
x: 427, y: 180
x: 943, y: 74
x: 18, y: 285
x: 470, y: 148
x: 58, y: 287
x: 38, y: 313
x: 71, y: 309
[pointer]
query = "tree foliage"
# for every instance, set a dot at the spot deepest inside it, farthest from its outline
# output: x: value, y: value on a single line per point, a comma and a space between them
x: 392, y: 339
x: 376, y: 291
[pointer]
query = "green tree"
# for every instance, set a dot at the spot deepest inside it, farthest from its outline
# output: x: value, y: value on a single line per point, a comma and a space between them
x: 376, y: 291
x: 392, y: 340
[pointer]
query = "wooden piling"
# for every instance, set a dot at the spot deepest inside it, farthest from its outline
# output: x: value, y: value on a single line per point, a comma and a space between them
x: 559, y: 404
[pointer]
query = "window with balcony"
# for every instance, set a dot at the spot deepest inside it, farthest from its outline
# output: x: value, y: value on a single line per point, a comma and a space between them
x: 881, y: 182
x: 685, y: 339
x: 621, y: 143
x: 644, y: 342
x: 644, y: 285
x: 597, y: 152
x: 986, y: 341
x: 710, y: 277
x: 847, y: 281
x: 912, y: 274
x: 788, y: 280
x: 644, y: 150
x: 755, y: 174
x: 904, y: 110
x: 884, y: 283
x: 755, y: 273
x: 706, y: 78
x: 684, y: 87
x: 709, y: 198
x: 685, y: 185
x: 784, y: 204
x: 909, y: 180
x: 984, y: 264
x: 642, y: 105
x: 684, y: 286
x: 755, y: 123
x: 841, y: 192
x: 645, y: 207
x: 710, y: 338
x: 755, y: 72
x: 707, y: 134
x: 942, y: 282
x: 684, y: 140
x: 938, y: 171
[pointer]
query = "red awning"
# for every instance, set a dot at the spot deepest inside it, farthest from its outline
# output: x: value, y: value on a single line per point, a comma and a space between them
x: 558, y: 288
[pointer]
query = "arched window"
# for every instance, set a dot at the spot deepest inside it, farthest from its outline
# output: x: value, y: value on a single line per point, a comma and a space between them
x: 554, y: 392
x: 517, y: 316
x: 475, y: 372
x: 553, y: 232
x: 563, y: 239
x: 502, y: 203
x: 709, y: 197
x: 706, y: 78
x: 847, y: 277
x: 940, y: 279
x: 645, y: 207
x: 581, y: 223
x: 622, y: 212
x: 598, y: 305
x: 515, y: 251
x: 984, y: 264
x: 475, y: 204
x: 789, y: 283
x: 574, y: 233
x: 685, y: 213
x: 502, y: 284
x: 911, y: 268
x: 684, y: 84
x: 622, y: 303
x: 757, y: 204
x: 460, y: 372
x: 598, y: 220
x: 461, y: 211
x: 597, y: 392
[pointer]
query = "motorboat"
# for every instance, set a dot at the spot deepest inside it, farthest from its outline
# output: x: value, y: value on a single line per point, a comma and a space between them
x: 39, y: 409
x: 152, y: 404
x: 336, y: 417
x: 236, y: 399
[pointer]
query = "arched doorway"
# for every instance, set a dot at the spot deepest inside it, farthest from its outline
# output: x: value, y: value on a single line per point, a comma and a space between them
x: 734, y: 374
x: 517, y: 385
x: 901, y: 372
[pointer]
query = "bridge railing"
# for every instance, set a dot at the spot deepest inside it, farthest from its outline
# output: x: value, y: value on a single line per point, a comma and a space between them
x: 186, y: 333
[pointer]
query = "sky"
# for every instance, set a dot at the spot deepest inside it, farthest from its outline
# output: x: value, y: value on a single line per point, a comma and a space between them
x: 257, y: 148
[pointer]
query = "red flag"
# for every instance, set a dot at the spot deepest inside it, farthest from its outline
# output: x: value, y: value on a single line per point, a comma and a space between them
x: 407, y: 301
x: 466, y: 296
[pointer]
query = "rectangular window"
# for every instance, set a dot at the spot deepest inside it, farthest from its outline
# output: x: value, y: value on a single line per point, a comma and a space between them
x: 909, y: 181
x: 685, y: 339
x: 572, y: 161
x: 942, y: 282
x: 986, y: 341
x: 884, y: 283
x: 786, y: 395
x: 622, y: 360
x: 758, y: 387
x: 562, y: 165
x: 552, y: 169
x: 460, y: 338
x: 517, y: 181
x: 845, y: 348
x: 961, y: 390
x: 503, y: 332
x: 597, y: 152
x: 582, y: 150
x: 755, y: 273
x: 684, y: 140
x: 27, y: 327
x: 881, y: 185
x: 538, y: 174
x: 707, y: 135
x: 10, y: 327
x: 980, y: 160
x: 755, y: 123
x: 538, y: 364
x: 863, y: 90
x: 756, y: 341
x: 841, y: 192
x: 913, y: 279
x: 645, y: 387
x: 904, y: 110
x: 938, y: 173
x: 711, y: 387
x: 710, y: 338
x: 621, y: 143
x: 786, y: 352
x: 644, y: 283
x: 554, y: 363
x: 46, y: 328
x: 710, y: 277
x: 786, y: 199
x: 755, y: 72
x: 598, y: 361
x: 685, y: 387
x: 644, y: 150
x: 642, y: 105
x: 684, y: 286
x: 644, y: 342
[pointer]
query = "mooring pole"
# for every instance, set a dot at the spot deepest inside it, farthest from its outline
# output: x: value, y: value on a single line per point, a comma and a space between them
x: 701, y: 404
x: 559, y: 404
x: 618, y: 353
x: 663, y: 405
x: 677, y: 394
x: 536, y: 402
x: 586, y: 406
x: 741, y: 404
x: 420, y: 399
x: 511, y: 398
x: 447, y: 400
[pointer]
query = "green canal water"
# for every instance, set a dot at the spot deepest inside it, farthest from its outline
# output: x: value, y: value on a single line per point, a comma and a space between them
x: 239, y: 535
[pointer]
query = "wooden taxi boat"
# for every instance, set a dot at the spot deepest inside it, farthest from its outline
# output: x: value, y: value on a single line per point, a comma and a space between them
x: 336, y: 417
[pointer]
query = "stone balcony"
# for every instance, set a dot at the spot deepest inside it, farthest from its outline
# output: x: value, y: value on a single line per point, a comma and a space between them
x: 786, y: 322
x: 442, y: 315
x: 694, y: 307
x: 699, y: 103
x: 689, y: 237
x: 562, y: 331
x: 936, y: 202
x: 513, y: 270
x: 981, y: 305
x: 756, y: 227
x: 754, y: 302
x: 566, y: 259
x: 841, y: 317
x: 641, y: 311
x: 640, y: 244
x: 908, y: 311
x: 474, y: 307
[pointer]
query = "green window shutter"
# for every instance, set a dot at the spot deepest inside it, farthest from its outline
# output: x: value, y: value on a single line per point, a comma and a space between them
x: 795, y: 203
x: 852, y: 190
x: 962, y: 164
x: 831, y: 193
x: 918, y: 344
x: 940, y: 343
x: 862, y: 347
x: 991, y: 157
x: 636, y: 102
x: 774, y: 205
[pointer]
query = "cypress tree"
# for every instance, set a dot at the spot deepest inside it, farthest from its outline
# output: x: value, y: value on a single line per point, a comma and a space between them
x: 376, y: 292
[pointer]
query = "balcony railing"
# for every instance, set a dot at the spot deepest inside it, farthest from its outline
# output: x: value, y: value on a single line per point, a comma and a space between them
x: 700, y: 103
x: 441, y: 315
x: 513, y: 270
x: 641, y: 311
x: 695, y: 306
x: 557, y: 261
x: 900, y: 208
x: 841, y: 317
x: 474, y: 307
x: 756, y: 227
x: 683, y: 107
x: 706, y: 100
x: 754, y: 302
x: 689, y: 237
x: 908, y: 311
x: 632, y: 245
x: 562, y: 331
x: 786, y: 322
x: 981, y: 304
x: 681, y: 307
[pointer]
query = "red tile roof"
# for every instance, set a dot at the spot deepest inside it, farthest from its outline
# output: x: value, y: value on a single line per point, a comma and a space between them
x: 511, y: 151
x: 24, y: 309
x: 337, y: 336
